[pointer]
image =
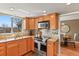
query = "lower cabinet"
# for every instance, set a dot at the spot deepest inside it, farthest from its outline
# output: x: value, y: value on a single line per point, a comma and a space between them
x: 29, y: 44
x: 52, y: 47
x: 22, y: 46
x: 32, y: 43
x: 50, y: 51
x: 2, y: 49
x: 25, y: 45
x: 12, y: 48
x: 17, y: 47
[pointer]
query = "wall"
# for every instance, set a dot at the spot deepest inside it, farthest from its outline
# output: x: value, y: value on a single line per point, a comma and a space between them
x: 47, y: 33
x: 69, y: 16
x: 74, y: 26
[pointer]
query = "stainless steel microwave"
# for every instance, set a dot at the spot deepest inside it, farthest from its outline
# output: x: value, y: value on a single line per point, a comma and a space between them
x: 44, y: 24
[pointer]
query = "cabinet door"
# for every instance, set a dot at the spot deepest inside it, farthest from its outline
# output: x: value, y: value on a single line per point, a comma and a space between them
x: 12, y: 48
x: 32, y: 23
x: 52, y: 47
x: 54, y: 21
x: 36, y: 23
x: 50, y: 51
x: 27, y: 23
x: 2, y: 49
x: 29, y: 44
x: 26, y: 45
x: 41, y: 18
x: 46, y: 18
x: 32, y: 44
x: 22, y: 46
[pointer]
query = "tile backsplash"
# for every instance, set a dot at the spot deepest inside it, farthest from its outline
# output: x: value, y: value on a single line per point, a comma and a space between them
x: 47, y: 32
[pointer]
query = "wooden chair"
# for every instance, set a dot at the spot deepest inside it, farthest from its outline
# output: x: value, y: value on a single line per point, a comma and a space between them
x: 73, y: 40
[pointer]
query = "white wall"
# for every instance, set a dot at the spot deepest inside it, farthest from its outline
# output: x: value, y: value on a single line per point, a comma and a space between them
x: 69, y: 16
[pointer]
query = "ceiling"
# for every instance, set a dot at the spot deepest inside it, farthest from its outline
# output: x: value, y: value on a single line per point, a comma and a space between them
x: 36, y: 9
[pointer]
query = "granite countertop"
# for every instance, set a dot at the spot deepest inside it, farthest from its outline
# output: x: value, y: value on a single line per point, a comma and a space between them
x: 13, y: 38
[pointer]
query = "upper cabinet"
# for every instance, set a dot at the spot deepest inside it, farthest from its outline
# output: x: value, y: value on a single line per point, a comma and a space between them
x: 26, y: 23
x: 36, y: 23
x: 46, y: 18
x: 40, y: 19
x: 52, y: 18
x: 31, y: 23
x: 53, y: 21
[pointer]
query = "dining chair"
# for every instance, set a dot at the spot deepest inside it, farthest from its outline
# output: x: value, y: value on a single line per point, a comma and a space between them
x: 73, y: 40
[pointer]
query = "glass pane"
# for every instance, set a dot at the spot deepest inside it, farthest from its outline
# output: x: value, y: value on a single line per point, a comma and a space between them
x: 5, y: 24
x: 17, y: 25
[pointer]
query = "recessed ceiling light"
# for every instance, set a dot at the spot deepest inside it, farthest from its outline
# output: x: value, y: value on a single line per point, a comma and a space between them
x: 68, y: 3
x: 44, y: 11
x: 12, y: 8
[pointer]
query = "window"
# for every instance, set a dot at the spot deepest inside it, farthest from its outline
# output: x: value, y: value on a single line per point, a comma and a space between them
x: 17, y: 25
x: 10, y: 24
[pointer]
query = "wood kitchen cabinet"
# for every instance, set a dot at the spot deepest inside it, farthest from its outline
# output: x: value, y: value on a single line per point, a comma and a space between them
x: 29, y: 44
x: 40, y: 19
x: 12, y: 48
x: 36, y: 23
x: 27, y: 23
x: 52, y: 18
x: 2, y: 49
x: 46, y: 18
x: 31, y: 23
x: 22, y: 46
x: 52, y: 47
x: 17, y: 47
x: 25, y: 45
x: 32, y: 43
x: 53, y: 21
